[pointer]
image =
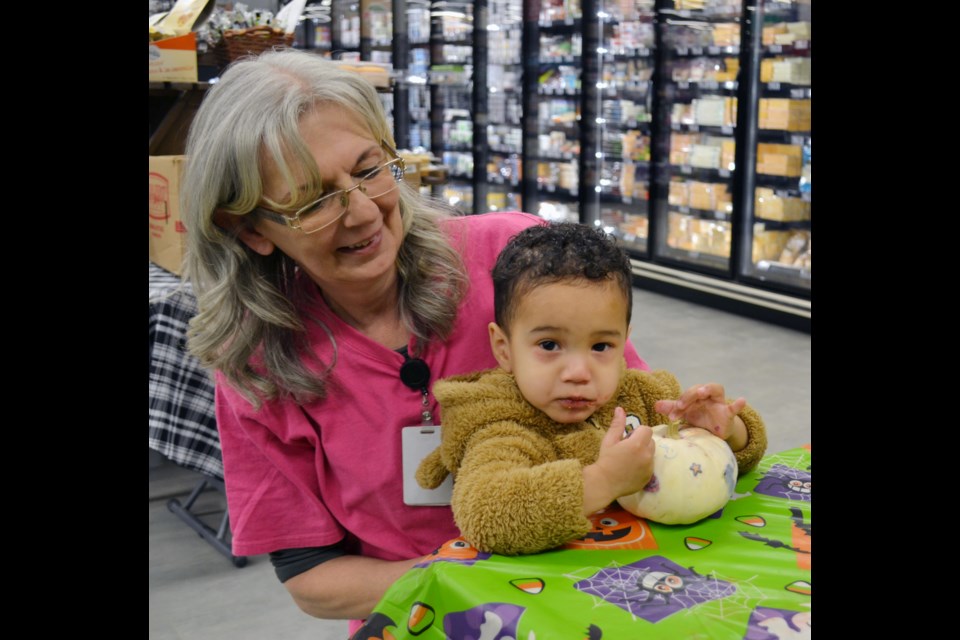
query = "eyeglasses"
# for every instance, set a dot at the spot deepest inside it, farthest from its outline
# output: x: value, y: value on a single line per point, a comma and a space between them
x: 323, y: 212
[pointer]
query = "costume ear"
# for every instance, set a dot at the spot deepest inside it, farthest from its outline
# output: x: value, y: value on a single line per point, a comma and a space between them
x: 246, y: 232
x: 500, y: 346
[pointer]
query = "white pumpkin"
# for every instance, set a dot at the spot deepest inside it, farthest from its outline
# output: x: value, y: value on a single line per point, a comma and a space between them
x: 694, y: 476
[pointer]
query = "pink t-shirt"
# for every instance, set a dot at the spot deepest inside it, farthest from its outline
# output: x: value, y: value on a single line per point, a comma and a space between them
x: 307, y: 475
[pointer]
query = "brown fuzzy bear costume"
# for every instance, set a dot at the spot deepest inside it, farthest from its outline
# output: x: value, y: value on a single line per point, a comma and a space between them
x: 518, y: 475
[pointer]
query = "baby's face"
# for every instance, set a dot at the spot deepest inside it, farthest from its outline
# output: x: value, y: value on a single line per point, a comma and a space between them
x: 566, y: 347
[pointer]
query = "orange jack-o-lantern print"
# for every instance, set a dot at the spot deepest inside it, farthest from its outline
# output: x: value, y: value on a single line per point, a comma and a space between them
x: 615, y: 528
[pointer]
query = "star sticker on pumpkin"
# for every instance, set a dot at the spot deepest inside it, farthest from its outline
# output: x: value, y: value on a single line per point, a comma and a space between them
x: 696, y: 469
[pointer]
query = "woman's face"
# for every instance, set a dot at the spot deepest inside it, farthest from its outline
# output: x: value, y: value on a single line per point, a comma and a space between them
x: 361, y: 247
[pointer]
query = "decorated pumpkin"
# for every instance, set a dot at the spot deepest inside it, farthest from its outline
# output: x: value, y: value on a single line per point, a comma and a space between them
x: 694, y: 475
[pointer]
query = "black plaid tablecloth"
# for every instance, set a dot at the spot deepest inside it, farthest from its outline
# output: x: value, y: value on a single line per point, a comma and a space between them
x: 183, y: 426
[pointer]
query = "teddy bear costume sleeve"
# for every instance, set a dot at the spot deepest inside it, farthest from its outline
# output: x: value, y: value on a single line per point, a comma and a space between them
x: 519, y: 481
x: 518, y: 475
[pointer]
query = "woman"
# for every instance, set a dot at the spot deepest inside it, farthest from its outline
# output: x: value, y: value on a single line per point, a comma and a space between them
x: 319, y: 273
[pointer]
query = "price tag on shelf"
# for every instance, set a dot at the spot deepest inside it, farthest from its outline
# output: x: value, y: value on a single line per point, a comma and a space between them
x: 714, y: 50
x: 801, y: 44
x: 776, y: 48
x: 726, y: 130
x: 710, y: 84
x: 693, y: 127
x: 798, y: 140
x: 686, y: 169
x: 683, y: 84
x: 773, y: 86
x: 697, y: 51
x: 797, y: 93
x: 724, y: 173
x: 682, y: 51
x: 684, y: 209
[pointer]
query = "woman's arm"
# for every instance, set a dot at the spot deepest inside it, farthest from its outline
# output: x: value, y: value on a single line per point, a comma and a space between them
x: 348, y: 587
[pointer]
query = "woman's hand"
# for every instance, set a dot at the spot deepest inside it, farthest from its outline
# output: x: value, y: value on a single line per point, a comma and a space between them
x: 624, y: 465
x: 706, y: 406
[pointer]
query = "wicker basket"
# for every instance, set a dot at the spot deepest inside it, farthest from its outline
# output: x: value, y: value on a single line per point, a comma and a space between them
x: 237, y: 43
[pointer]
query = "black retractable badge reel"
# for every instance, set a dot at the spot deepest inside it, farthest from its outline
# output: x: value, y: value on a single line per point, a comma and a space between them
x: 420, y: 441
x: 416, y: 374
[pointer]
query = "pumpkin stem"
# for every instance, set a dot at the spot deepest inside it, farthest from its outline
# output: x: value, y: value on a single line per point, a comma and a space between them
x: 673, y: 428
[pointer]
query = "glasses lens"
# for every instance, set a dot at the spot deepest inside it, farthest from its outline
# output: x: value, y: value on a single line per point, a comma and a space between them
x: 384, y: 180
x: 325, y: 211
x: 377, y: 182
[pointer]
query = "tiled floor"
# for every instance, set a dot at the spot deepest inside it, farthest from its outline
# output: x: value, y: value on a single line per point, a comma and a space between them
x: 197, y: 594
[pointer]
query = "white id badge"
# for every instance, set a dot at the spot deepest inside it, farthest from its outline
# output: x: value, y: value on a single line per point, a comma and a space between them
x: 417, y: 443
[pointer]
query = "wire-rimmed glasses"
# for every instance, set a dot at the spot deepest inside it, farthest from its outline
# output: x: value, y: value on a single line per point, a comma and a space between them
x: 323, y: 212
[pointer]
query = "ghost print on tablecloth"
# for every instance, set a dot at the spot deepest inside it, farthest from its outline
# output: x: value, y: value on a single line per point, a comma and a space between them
x: 654, y: 588
x: 778, y: 624
x: 490, y: 621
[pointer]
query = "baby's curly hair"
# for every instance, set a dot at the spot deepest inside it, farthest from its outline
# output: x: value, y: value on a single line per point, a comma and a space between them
x: 555, y: 252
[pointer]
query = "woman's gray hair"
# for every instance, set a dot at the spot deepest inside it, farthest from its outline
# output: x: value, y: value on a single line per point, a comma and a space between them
x: 250, y: 303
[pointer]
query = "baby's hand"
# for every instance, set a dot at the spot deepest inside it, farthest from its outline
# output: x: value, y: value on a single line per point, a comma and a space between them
x: 704, y: 406
x: 626, y: 464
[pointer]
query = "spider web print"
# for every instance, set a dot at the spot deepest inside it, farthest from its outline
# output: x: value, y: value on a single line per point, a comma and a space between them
x: 711, y: 596
x: 794, y: 459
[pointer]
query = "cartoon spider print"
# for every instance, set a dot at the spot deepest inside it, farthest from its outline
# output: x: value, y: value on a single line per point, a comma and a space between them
x: 663, y: 584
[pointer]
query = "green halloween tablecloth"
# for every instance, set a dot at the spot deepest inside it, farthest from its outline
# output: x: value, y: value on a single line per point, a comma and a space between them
x: 743, y: 572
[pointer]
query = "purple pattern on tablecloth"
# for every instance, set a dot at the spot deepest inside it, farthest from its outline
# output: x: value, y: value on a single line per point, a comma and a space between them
x: 781, y: 481
x: 654, y: 588
x: 498, y: 620
x: 777, y: 624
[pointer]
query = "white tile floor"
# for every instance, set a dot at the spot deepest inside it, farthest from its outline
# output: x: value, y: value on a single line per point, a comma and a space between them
x: 197, y: 594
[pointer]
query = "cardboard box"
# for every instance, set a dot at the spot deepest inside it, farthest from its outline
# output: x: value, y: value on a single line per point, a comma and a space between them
x: 679, y: 195
x: 167, y: 233
x: 770, y: 206
x: 784, y: 114
x: 174, y: 59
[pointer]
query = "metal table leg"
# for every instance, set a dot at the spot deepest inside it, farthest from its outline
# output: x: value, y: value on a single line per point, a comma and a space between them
x: 218, y: 539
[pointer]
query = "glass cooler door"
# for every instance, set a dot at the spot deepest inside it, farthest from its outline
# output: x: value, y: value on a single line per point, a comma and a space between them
x: 778, y: 233
x: 558, y: 132
x: 451, y: 98
x: 626, y: 64
x: 695, y: 133
x: 504, y: 87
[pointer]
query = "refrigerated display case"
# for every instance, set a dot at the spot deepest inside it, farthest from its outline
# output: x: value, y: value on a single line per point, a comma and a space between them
x: 554, y: 163
x: 681, y: 126
x: 627, y: 61
x: 345, y: 30
x: 730, y: 158
x: 502, y: 153
x: 779, y: 212
x: 451, y: 99
x: 418, y: 66
x: 697, y: 112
